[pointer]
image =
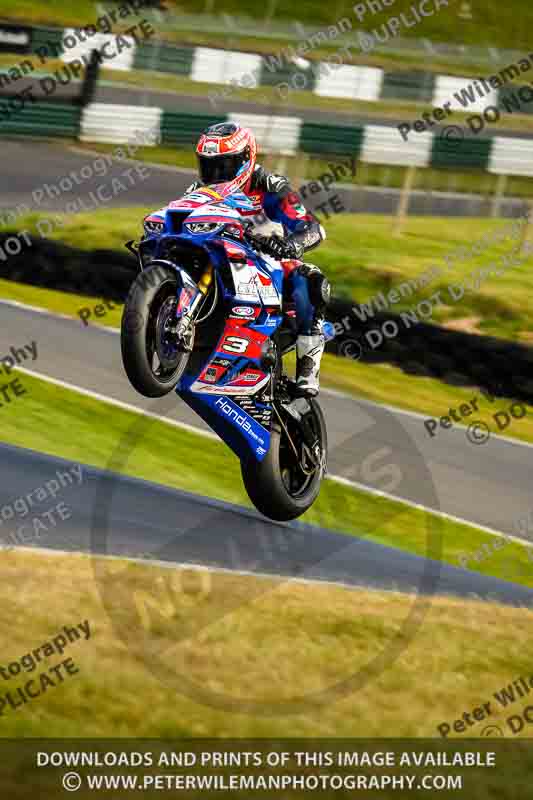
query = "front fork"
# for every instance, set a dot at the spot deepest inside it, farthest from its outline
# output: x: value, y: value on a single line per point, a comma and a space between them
x: 189, y: 300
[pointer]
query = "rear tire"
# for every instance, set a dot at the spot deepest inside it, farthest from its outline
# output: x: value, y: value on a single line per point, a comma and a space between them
x: 266, y: 481
x: 144, y: 339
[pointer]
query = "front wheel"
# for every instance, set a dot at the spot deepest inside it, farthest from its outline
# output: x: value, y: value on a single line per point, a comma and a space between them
x: 286, y: 483
x: 154, y: 357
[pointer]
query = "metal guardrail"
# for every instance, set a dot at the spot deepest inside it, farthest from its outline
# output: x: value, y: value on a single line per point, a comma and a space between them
x: 230, y: 26
x: 234, y: 26
x: 117, y: 124
x: 512, y: 156
x: 221, y: 66
x: 45, y: 119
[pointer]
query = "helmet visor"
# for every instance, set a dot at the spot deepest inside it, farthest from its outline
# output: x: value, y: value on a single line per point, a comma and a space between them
x: 220, y: 169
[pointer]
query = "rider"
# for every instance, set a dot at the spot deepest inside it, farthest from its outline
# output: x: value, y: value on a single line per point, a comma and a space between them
x: 227, y: 153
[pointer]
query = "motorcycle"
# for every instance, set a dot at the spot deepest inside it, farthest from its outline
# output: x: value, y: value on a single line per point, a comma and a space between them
x: 212, y: 321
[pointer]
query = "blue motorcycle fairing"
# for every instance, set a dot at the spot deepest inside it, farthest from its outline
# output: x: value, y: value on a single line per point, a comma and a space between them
x: 227, y: 390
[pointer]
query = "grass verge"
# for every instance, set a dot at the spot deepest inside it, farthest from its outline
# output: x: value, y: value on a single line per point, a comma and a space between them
x: 361, y: 259
x: 279, y: 640
x: 66, y: 424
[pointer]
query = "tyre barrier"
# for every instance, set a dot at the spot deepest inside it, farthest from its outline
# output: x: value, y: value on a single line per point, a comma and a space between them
x: 502, y: 368
x: 499, y: 367
x: 54, y: 265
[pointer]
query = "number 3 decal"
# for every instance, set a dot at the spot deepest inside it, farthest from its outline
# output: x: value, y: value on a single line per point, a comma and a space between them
x: 234, y: 344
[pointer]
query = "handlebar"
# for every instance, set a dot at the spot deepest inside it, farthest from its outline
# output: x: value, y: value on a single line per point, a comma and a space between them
x: 258, y: 243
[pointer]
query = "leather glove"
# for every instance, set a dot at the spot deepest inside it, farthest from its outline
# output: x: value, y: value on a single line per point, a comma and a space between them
x: 282, y: 248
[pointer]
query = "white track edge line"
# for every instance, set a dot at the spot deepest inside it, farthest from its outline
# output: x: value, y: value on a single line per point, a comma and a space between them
x: 473, y: 597
x: 324, y: 390
x: 119, y: 403
x: 335, y: 478
x: 206, y: 568
x: 435, y: 512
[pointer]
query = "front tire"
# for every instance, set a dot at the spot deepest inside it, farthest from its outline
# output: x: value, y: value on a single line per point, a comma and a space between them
x: 154, y: 360
x: 276, y: 486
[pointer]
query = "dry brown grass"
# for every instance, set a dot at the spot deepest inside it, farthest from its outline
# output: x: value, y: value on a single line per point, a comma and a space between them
x: 181, y: 653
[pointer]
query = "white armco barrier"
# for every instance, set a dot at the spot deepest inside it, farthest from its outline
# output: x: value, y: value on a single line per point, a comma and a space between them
x: 356, y: 83
x: 383, y: 145
x: 107, y: 122
x: 113, y: 58
x: 273, y: 134
x: 511, y: 156
x: 223, y: 66
x: 121, y: 124
x: 447, y: 87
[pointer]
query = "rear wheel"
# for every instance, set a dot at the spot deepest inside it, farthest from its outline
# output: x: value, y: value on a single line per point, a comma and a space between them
x: 287, y: 482
x: 154, y: 356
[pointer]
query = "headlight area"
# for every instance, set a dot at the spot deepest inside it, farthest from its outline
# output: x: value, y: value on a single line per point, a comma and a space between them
x: 151, y: 227
x: 203, y: 227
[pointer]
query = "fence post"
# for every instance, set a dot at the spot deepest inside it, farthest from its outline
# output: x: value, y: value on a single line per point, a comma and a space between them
x: 90, y: 80
x: 298, y: 169
x: 270, y: 11
x: 499, y: 192
x: 403, y: 203
x: 526, y: 230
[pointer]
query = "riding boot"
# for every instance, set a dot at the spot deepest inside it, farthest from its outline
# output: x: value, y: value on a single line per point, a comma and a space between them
x: 309, y: 349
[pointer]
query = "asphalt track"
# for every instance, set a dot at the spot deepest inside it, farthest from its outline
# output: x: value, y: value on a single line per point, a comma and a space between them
x: 200, y: 104
x: 144, y: 520
x: 28, y: 165
x: 382, y: 448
